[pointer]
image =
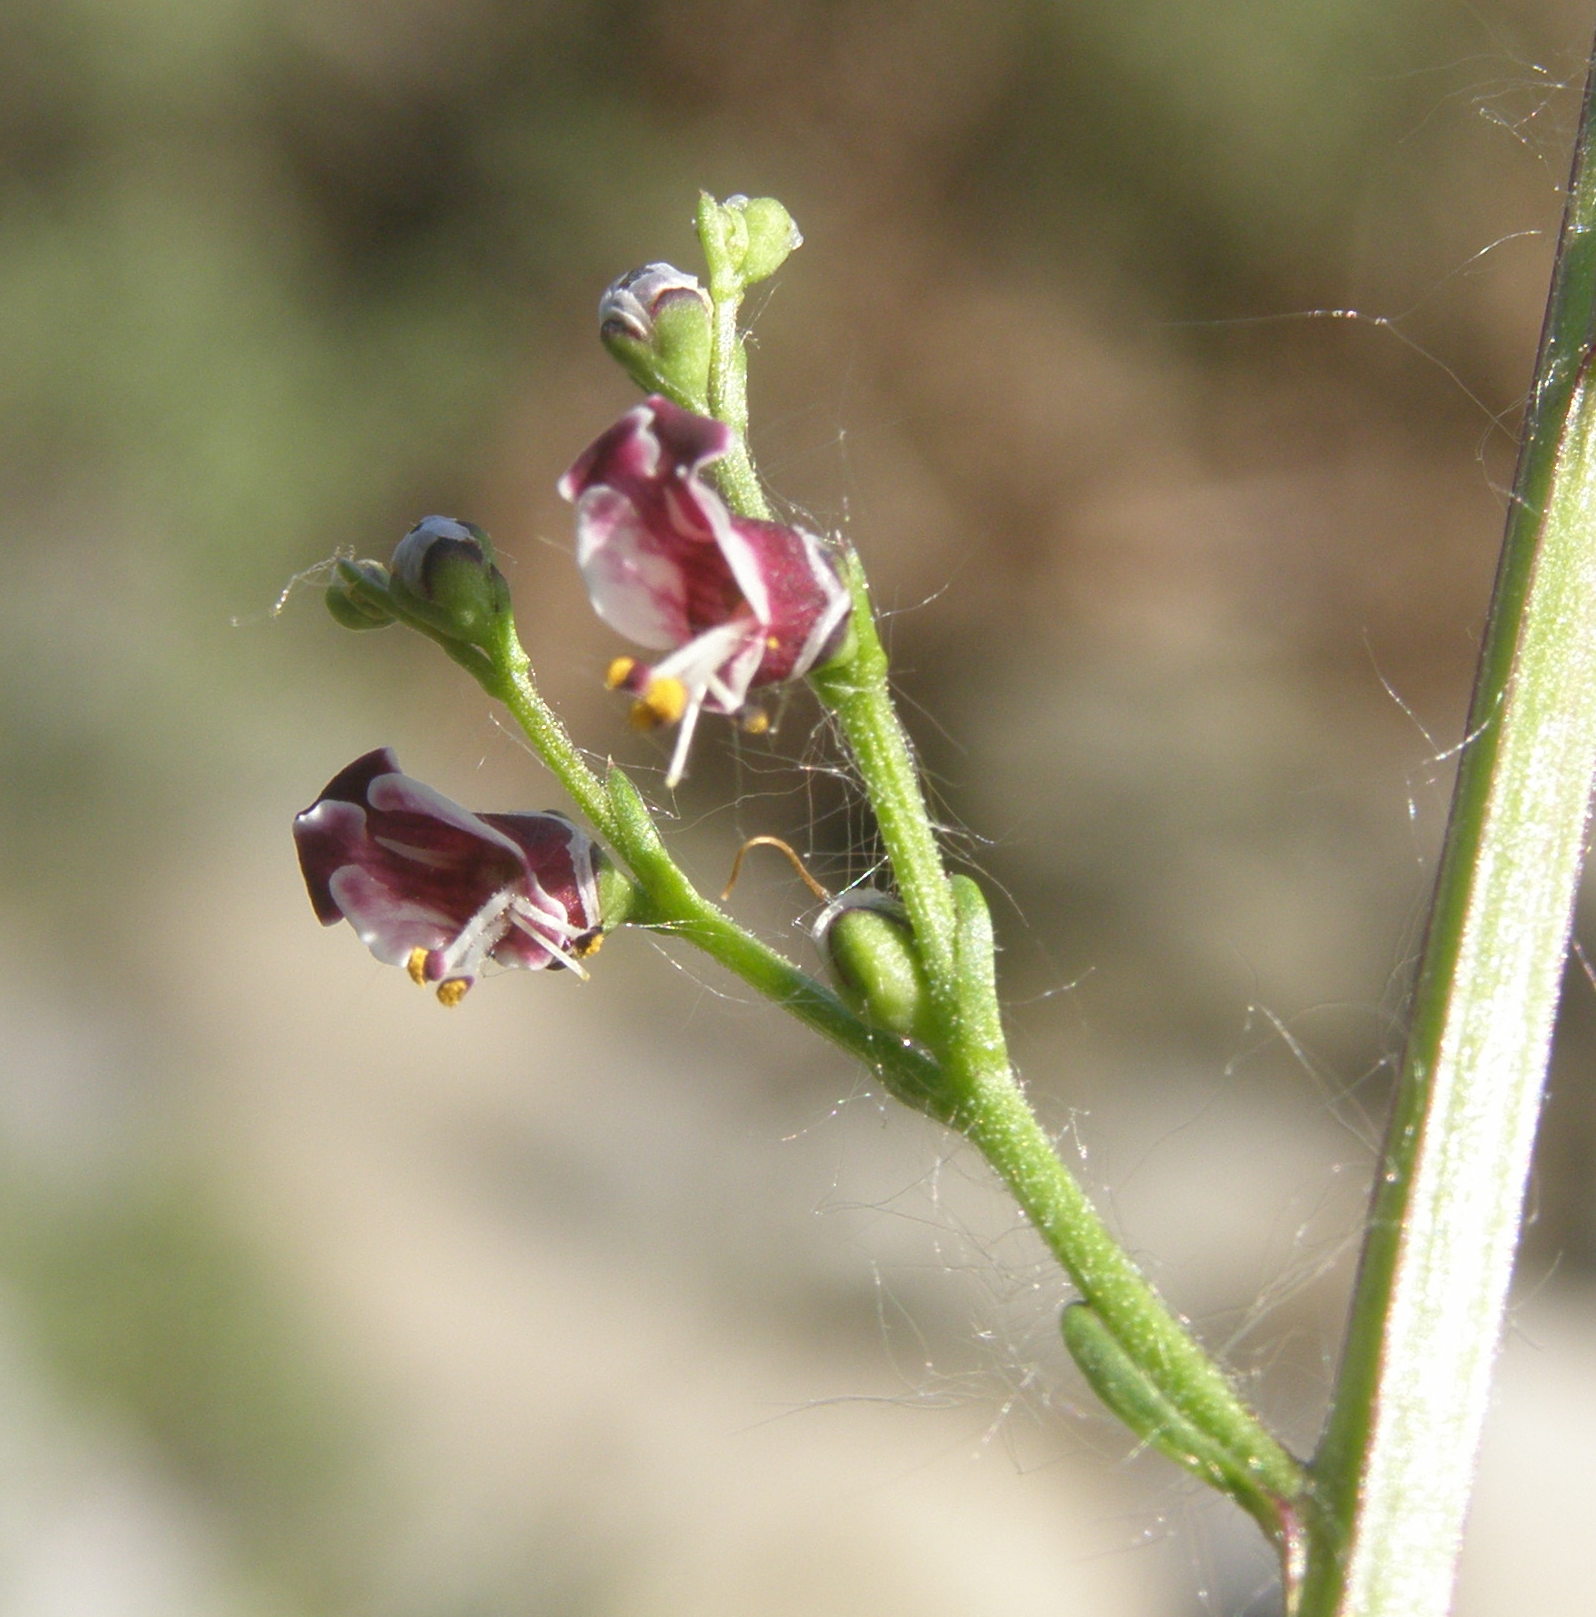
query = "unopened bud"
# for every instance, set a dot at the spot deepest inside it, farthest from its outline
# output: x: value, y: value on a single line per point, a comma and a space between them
x: 869, y: 947
x: 358, y: 597
x: 444, y: 575
x: 760, y: 234
x: 656, y: 322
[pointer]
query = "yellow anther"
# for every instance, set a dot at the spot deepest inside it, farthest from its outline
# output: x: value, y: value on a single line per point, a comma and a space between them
x: 450, y: 993
x: 664, y: 702
x: 591, y: 947
x: 619, y: 672
x: 416, y: 965
x: 756, y: 723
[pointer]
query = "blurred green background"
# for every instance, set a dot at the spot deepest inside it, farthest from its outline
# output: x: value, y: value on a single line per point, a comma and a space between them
x: 626, y: 1298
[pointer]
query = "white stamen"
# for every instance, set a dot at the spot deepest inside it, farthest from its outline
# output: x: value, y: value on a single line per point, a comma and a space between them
x: 554, y: 935
x: 684, y: 739
x: 476, y: 938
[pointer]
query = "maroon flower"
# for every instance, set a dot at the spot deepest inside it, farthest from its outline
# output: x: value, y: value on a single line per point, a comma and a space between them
x: 736, y: 603
x: 432, y: 887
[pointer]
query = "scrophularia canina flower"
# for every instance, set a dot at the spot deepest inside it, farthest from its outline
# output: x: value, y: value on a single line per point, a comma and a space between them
x: 432, y: 887
x: 734, y: 603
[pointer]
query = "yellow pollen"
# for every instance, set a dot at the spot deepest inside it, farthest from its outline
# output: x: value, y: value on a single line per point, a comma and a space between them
x: 619, y: 672
x: 452, y: 992
x: 416, y: 965
x: 756, y: 723
x: 591, y: 947
x: 664, y: 702
x: 773, y: 642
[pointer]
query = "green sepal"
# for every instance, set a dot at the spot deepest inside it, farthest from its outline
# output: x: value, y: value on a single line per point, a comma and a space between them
x: 358, y: 599
x: 870, y: 951
x: 766, y: 234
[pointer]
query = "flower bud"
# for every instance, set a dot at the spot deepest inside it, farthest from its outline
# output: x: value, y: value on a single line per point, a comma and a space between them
x: 357, y: 599
x: 867, y: 943
x: 760, y: 234
x: 656, y: 322
x: 444, y: 575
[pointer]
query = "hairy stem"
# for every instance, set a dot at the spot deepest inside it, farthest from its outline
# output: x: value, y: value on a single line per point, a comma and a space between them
x: 1395, y: 1468
x: 855, y: 688
x: 510, y: 680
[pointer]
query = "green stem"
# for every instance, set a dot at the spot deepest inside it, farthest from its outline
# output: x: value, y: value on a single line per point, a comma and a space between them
x: 669, y: 901
x: 1394, y: 1470
x: 728, y: 366
x: 1008, y: 1135
x: 510, y: 680
x: 856, y: 689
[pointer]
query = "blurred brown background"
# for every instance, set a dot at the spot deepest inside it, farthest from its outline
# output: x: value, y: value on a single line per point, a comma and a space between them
x: 626, y: 1298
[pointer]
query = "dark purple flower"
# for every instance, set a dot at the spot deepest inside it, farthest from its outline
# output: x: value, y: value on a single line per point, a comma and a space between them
x: 735, y: 603
x: 432, y: 887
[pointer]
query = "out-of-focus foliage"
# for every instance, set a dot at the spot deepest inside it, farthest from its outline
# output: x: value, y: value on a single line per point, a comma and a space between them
x: 315, y: 1299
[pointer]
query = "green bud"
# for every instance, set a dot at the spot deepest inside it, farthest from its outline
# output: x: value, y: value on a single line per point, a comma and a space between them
x: 358, y: 598
x: 744, y: 240
x: 656, y: 322
x: 867, y: 943
x: 444, y: 577
x: 762, y: 237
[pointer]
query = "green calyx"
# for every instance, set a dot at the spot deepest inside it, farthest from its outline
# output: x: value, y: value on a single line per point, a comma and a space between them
x: 444, y: 584
x: 617, y: 891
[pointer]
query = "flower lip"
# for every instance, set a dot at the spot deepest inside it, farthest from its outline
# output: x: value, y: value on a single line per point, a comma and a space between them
x: 429, y: 885
x: 736, y: 603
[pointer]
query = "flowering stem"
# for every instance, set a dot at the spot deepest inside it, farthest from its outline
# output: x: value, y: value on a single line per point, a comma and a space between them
x: 1251, y: 1466
x: 971, y: 1085
x: 1395, y: 1467
x: 668, y: 901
